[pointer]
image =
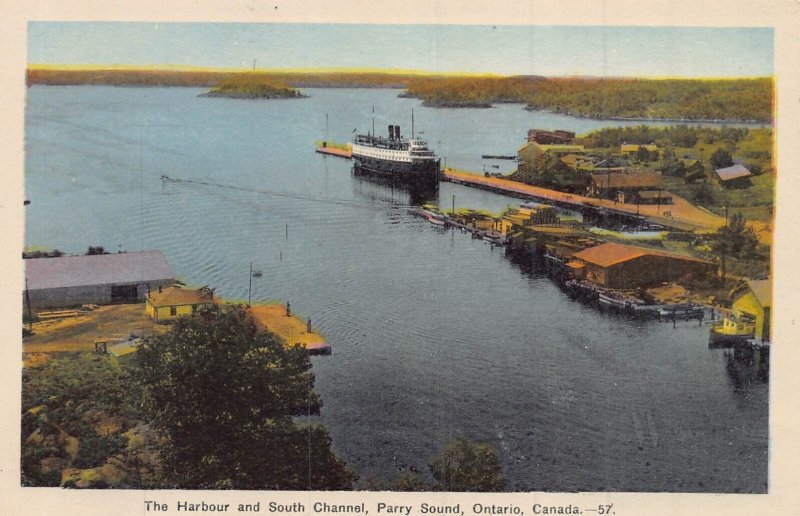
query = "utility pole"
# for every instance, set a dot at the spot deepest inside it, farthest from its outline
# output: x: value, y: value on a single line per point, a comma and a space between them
x: 250, y: 288
x: 28, y: 300
x: 658, y: 201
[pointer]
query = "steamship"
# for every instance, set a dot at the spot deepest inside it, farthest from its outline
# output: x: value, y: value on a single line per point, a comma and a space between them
x: 396, y: 158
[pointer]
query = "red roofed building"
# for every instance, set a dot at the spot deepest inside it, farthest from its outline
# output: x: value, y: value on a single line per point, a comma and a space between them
x: 619, y: 266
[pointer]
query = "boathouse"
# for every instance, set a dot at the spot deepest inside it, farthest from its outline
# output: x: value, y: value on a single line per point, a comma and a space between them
x: 620, y: 266
x: 753, y: 301
x: 166, y: 304
x: 99, y: 279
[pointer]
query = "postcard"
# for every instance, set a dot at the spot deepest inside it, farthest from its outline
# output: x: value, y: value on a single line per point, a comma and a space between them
x: 307, y: 261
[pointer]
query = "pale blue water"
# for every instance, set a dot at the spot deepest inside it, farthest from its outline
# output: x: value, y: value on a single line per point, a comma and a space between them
x: 435, y: 334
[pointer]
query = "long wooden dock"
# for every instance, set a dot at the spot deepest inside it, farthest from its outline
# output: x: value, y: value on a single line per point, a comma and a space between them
x: 681, y: 214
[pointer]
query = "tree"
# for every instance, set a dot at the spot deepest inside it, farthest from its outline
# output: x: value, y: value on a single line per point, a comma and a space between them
x: 96, y: 250
x: 225, y: 395
x: 736, y: 239
x: 721, y: 159
x: 463, y: 465
x: 704, y: 194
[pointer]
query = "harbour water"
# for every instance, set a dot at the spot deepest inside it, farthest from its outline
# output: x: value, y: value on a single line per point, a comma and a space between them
x: 435, y: 335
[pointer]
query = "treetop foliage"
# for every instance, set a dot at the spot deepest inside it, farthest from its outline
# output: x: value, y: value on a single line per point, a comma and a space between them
x: 226, y: 394
x: 463, y: 465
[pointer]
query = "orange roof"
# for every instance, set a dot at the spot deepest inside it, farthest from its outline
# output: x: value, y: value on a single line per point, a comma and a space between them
x: 610, y: 253
x: 177, y: 296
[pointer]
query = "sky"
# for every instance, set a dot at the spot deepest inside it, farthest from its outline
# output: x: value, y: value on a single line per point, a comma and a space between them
x: 504, y: 50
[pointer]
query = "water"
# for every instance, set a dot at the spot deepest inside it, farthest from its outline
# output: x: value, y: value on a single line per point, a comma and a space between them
x: 435, y: 335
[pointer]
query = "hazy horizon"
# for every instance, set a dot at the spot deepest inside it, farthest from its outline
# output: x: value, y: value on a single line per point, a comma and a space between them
x: 501, y: 50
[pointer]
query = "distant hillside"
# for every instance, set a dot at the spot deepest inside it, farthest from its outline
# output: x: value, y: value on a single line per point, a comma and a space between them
x: 640, y: 99
x: 620, y: 98
x: 212, y: 78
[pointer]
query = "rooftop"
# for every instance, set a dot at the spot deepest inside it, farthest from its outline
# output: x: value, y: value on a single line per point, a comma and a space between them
x: 762, y: 290
x: 627, y: 180
x: 733, y: 172
x: 610, y: 253
x: 176, y: 296
x: 99, y: 269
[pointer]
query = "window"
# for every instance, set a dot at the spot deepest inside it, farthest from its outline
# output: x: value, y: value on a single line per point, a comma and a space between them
x: 173, y: 310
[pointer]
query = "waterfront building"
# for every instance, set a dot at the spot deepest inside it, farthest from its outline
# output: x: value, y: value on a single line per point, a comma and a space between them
x: 532, y: 150
x: 98, y: 279
x: 753, y: 301
x: 620, y: 266
x: 166, y: 304
x: 629, y: 187
x: 527, y: 216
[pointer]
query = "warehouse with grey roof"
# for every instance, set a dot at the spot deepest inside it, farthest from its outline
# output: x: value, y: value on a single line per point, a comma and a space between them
x: 94, y: 279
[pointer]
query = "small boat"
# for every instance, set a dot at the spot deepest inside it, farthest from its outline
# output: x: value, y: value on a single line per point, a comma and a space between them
x: 495, y: 238
x: 433, y: 215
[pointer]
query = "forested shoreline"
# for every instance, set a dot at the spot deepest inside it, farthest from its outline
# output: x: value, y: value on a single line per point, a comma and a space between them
x: 731, y: 100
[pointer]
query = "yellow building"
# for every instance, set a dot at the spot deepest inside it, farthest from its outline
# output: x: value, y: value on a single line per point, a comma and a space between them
x: 524, y: 216
x: 753, y: 301
x: 168, y: 303
x: 531, y: 150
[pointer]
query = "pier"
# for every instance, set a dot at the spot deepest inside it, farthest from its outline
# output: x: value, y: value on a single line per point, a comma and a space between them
x: 681, y: 215
x: 337, y: 151
x: 290, y: 329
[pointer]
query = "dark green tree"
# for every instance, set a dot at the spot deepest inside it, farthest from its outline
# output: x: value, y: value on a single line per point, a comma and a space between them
x: 463, y: 465
x: 703, y: 194
x: 736, y: 239
x: 225, y: 395
x: 721, y: 159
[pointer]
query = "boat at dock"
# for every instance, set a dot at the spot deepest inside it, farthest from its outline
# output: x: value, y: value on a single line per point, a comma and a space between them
x: 433, y: 215
x: 395, y: 157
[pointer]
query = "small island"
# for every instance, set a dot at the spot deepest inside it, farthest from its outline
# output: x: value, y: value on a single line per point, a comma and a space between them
x: 253, y: 88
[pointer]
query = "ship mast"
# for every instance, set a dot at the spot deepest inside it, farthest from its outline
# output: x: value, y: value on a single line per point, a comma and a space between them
x: 412, y: 123
x: 373, y: 120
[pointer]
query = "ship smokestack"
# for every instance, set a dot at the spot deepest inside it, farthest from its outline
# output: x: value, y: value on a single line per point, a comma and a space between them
x: 397, y: 131
x: 391, y: 132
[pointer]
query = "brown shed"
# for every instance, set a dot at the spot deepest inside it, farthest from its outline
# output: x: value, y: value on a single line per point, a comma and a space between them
x: 620, y: 266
